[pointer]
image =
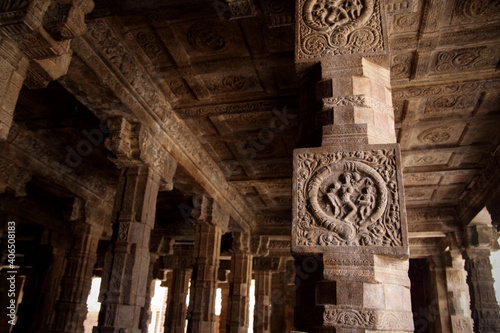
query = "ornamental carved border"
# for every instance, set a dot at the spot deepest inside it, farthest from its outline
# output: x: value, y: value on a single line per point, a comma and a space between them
x: 350, y: 200
x: 338, y: 27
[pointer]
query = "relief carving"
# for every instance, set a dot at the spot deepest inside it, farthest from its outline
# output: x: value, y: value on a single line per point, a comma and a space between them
x: 456, y: 88
x: 350, y: 317
x: 278, y: 12
x: 470, y: 58
x: 336, y: 27
x: 449, y: 103
x: 470, y: 10
x: 401, y: 66
x: 206, y: 37
x: 347, y: 198
x: 435, y: 135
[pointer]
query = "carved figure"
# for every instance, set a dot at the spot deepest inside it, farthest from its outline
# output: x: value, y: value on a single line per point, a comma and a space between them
x: 354, y: 8
x: 366, y: 201
x: 326, y: 13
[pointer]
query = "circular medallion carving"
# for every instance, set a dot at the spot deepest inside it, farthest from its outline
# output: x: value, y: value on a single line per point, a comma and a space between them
x: 435, y: 135
x: 206, y: 37
x: 324, y: 15
x: 345, y: 196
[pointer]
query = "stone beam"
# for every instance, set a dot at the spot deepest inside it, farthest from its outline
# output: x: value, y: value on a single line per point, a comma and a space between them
x: 234, y: 108
x: 129, y: 81
x: 477, y: 196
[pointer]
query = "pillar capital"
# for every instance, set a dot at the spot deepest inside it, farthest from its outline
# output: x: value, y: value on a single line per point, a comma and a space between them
x: 266, y: 264
x: 133, y: 145
x: 182, y: 257
x: 259, y: 245
x: 481, y: 236
x: 206, y: 210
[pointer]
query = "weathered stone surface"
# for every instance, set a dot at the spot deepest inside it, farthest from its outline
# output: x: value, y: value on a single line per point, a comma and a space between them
x: 212, y: 97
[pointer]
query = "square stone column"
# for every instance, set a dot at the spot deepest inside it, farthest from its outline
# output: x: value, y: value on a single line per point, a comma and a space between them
x: 451, y: 307
x: 240, y: 278
x: 349, y: 228
x: 201, y: 312
x: 71, y: 306
x: 484, y: 305
x: 182, y: 263
x: 126, y: 265
x: 263, y: 270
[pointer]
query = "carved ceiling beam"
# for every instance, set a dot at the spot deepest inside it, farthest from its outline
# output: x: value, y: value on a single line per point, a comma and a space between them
x: 129, y: 81
x: 421, y: 89
x: 286, y: 103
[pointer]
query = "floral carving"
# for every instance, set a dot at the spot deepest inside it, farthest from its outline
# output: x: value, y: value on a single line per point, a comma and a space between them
x: 347, y: 198
x: 401, y: 66
x: 336, y: 27
x: 470, y: 58
x: 435, y: 135
x: 350, y: 317
x: 450, y: 103
x: 477, y: 9
x: 206, y: 37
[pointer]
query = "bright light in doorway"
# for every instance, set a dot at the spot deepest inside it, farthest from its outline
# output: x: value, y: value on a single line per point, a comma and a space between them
x: 93, y: 305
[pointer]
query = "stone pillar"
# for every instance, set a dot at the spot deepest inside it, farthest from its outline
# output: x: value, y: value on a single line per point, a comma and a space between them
x: 182, y: 264
x: 145, y: 169
x: 210, y: 220
x: 263, y: 270
x: 71, y: 305
x: 240, y: 279
x: 126, y: 265
x: 458, y: 293
x: 204, y: 281
x: 349, y: 228
x: 484, y: 305
x: 450, y: 308
x: 71, y: 308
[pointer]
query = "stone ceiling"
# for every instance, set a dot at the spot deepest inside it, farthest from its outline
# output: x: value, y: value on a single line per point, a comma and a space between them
x: 230, y: 77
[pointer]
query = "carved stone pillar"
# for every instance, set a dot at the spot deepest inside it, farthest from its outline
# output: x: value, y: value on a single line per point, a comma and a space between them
x: 71, y: 308
x: 240, y: 278
x: 123, y: 287
x: 263, y: 270
x: 13, y: 68
x: 182, y: 264
x: 450, y: 309
x: 145, y: 168
x: 458, y: 293
x: 349, y: 229
x: 484, y: 305
x: 201, y: 312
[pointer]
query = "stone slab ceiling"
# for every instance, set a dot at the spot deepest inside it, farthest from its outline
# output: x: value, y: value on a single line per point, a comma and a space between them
x: 230, y: 77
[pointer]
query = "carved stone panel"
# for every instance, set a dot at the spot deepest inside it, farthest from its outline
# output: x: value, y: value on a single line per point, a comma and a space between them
x: 338, y: 27
x: 351, y: 200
